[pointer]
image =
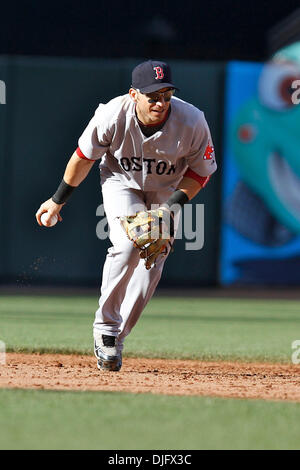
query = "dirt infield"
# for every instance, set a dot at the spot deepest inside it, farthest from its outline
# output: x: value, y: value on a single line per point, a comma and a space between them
x: 159, y: 376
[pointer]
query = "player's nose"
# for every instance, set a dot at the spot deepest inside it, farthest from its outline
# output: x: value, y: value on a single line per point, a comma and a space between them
x: 161, y: 102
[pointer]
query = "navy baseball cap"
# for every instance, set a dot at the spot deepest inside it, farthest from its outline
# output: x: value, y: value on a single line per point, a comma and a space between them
x: 152, y: 75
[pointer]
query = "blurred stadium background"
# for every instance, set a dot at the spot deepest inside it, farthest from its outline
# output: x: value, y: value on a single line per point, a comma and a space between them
x: 58, y: 60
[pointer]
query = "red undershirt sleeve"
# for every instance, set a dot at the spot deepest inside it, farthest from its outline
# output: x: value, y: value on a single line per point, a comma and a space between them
x: 80, y: 154
x: 203, y: 180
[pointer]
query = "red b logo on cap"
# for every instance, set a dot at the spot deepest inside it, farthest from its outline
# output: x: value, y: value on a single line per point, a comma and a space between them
x: 159, y: 73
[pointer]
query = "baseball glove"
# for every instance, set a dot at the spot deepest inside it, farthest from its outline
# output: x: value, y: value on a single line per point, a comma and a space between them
x: 151, y: 232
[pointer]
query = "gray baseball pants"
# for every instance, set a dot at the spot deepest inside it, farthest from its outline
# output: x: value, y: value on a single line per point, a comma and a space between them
x: 126, y: 284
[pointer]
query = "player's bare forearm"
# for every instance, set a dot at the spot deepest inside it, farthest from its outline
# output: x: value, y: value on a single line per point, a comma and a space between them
x: 77, y: 170
x: 189, y: 186
x: 185, y: 191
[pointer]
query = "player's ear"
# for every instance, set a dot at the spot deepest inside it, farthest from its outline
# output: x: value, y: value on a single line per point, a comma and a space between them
x: 133, y: 94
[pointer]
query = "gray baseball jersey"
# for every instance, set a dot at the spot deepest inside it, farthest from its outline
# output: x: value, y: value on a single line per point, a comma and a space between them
x: 148, y: 163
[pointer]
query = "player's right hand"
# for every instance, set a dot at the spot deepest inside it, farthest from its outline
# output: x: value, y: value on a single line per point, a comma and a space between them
x: 51, y: 207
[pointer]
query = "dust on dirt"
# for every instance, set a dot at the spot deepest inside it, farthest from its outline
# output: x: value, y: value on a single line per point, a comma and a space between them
x: 158, y: 376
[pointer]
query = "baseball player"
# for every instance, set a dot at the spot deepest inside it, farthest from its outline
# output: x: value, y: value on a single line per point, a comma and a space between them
x: 155, y: 153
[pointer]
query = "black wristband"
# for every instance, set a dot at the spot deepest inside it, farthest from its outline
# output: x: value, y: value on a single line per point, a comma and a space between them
x: 177, y: 198
x: 62, y: 193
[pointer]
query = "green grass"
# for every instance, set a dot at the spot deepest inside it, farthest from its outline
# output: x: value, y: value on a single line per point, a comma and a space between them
x: 129, y: 421
x: 209, y: 329
x: 47, y: 324
x: 237, y: 329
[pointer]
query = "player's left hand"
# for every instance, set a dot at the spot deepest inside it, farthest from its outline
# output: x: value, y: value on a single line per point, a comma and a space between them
x: 151, y: 233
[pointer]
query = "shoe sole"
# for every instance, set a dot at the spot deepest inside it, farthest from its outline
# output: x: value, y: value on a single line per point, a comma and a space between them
x: 112, y: 365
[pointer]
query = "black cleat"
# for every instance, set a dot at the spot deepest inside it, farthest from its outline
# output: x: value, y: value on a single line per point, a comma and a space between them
x: 106, y: 351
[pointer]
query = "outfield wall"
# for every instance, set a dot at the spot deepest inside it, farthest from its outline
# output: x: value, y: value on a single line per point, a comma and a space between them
x: 49, y: 101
